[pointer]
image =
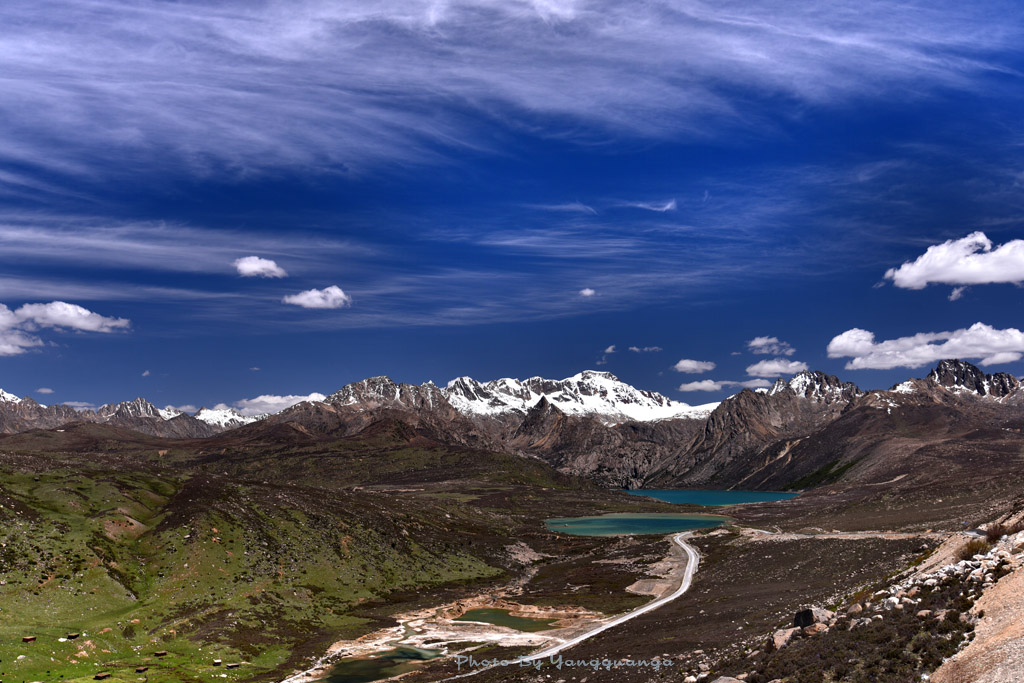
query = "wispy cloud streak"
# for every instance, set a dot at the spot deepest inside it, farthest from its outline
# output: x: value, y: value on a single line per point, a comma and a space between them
x: 241, y: 86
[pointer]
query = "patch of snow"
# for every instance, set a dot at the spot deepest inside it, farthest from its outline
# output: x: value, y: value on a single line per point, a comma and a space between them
x: 224, y: 418
x: 6, y: 397
x: 904, y: 387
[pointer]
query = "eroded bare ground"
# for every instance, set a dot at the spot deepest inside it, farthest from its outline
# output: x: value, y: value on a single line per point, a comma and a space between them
x: 746, y: 587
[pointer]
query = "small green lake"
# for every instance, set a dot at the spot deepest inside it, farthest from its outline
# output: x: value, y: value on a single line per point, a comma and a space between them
x: 501, y: 617
x: 385, y: 665
x: 621, y: 523
x: 712, y: 497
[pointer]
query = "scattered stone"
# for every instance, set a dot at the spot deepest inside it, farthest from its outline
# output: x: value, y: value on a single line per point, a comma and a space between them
x: 814, y: 629
x: 781, y: 638
x: 925, y: 613
x: 855, y: 609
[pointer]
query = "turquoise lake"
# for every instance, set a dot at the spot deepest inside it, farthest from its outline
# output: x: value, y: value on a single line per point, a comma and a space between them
x: 711, y: 497
x: 622, y: 523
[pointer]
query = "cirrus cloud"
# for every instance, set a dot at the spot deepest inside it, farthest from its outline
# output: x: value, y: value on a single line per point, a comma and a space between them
x: 328, y: 297
x: 979, y: 341
x: 971, y: 260
x: 254, y: 266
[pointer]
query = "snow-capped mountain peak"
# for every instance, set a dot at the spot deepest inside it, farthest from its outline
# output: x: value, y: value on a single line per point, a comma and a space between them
x: 6, y: 397
x: 138, y: 407
x: 223, y: 417
x: 590, y: 392
x: 817, y: 386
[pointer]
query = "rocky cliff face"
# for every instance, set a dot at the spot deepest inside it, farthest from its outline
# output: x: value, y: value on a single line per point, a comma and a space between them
x: 960, y: 376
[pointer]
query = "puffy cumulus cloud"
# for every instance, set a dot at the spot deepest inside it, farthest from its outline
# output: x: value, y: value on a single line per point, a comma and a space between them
x: 17, y: 326
x: 587, y: 292
x: 645, y: 349
x: 63, y: 314
x: 328, y: 297
x: 979, y: 341
x: 776, y: 367
x: 146, y: 373
x: 44, y: 390
x: 770, y: 346
x: 254, y: 266
x: 720, y: 384
x: 693, y: 367
x: 968, y: 261
x: 270, y: 403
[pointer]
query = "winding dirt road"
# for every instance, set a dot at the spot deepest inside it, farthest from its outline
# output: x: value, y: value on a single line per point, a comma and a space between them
x: 693, y: 559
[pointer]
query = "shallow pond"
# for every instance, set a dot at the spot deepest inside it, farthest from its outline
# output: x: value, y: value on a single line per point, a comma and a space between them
x: 381, y: 666
x: 501, y: 617
x: 620, y: 523
x: 712, y: 497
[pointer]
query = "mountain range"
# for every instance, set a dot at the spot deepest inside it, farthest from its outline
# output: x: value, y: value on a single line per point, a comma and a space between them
x: 809, y: 430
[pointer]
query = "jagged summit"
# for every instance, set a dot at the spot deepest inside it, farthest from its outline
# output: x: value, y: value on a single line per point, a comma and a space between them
x: 817, y: 386
x: 138, y: 407
x: 6, y: 397
x: 587, y: 393
x: 375, y: 392
x: 962, y: 377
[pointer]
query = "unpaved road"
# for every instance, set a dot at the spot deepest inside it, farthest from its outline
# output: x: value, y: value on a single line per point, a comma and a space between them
x: 693, y: 559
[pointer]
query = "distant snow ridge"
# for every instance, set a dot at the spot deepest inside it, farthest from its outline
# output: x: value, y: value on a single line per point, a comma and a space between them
x: 587, y: 393
x: 225, y: 418
x: 6, y: 397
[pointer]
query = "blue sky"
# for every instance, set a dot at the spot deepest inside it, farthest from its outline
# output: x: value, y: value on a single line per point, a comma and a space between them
x: 503, y: 189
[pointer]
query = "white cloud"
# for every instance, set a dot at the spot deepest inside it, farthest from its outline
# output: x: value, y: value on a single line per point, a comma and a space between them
x: 957, y: 293
x: 770, y: 346
x: 662, y: 207
x: 694, y: 366
x: 254, y: 369
x: 80, y: 405
x: 718, y: 385
x: 775, y: 367
x: 979, y: 341
x: 254, y: 266
x: 587, y: 291
x: 63, y: 314
x: 269, y: 403
x: 176, y: 77
x: 328, y: 297
x: 145, y: 373
x: 967, y: 261
x: 44, y: 390
x: 701, y: 385
x: 187, y: 408
x: 607, y: 352
x: 571, y: 207
x: 645, y: 349
x: 16, y: 326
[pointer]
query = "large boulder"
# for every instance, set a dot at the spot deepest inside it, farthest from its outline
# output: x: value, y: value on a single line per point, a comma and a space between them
x: 812, y: 615
x: 781, y: 638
